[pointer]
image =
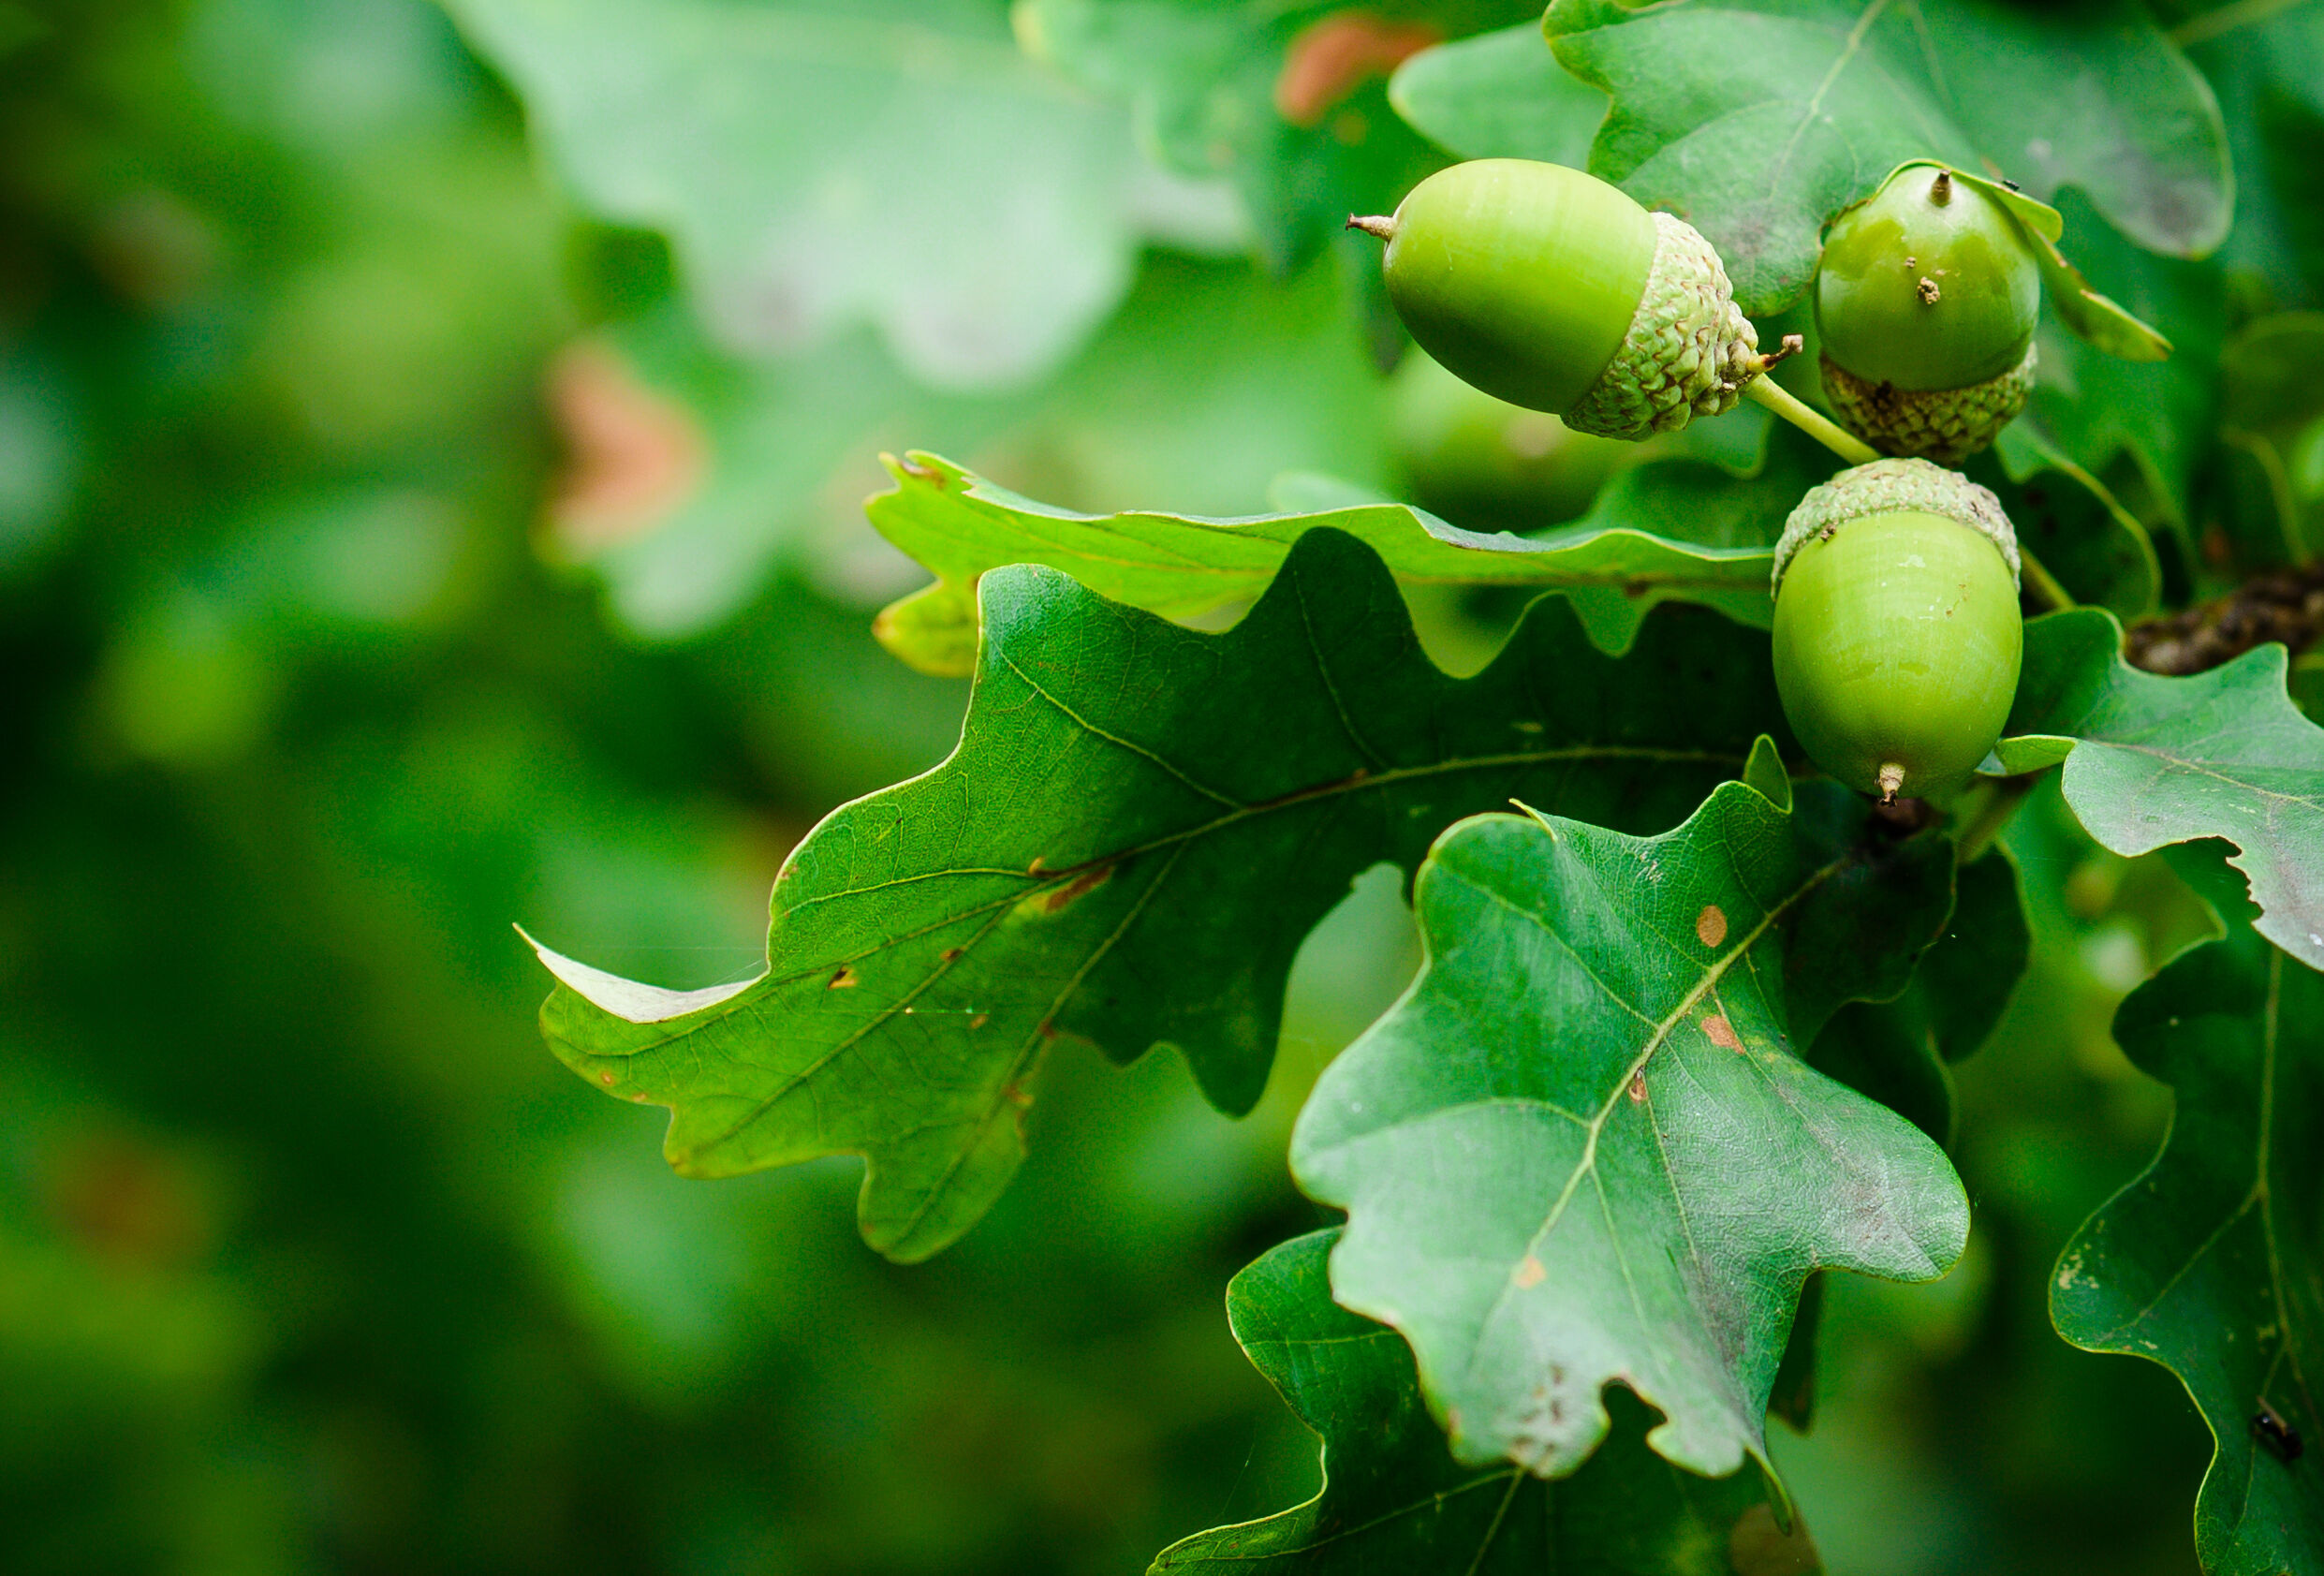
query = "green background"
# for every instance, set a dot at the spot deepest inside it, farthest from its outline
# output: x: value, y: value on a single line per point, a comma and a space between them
x: 312, y: 1257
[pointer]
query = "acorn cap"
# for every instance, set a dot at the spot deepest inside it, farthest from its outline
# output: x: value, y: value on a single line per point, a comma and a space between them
x: 1687, y: 351
x: 1948, y: 425
x: 1896, y: 487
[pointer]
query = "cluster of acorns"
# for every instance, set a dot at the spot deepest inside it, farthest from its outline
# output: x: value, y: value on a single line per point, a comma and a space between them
x: 1897, y: 630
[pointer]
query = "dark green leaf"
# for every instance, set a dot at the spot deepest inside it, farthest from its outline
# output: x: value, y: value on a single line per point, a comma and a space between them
x: 1758, y: 120
x: 2096, y: 406
x: 1141, y: 824
x: 1965, y: 982
x: 1793, y: 1397
x: 1765, y: 772
x: 1666, y: 529
x: 1583, y: 1147
x: 2071, y: 521
x: 2091, y: 96
x: 2271, y: 410
x: 2267, y: 64
x: 2153, y: 760
x: 1394, y: 1503
x: 1874, y: 1050
x: 1896, y: 1052
x: 2212, y: 1263
x: 810, y: 165
x: 2268, y: 376
x: 1499, y: 95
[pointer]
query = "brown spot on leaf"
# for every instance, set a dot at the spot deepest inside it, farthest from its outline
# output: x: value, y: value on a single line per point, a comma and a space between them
x: 1334, y: 56
x: 1721, y: 1034
x: 919, y: 472
x: 1711, y: 924
x: 606, y: 1079
x: 981, y: 1020
x: 1637, y: 1088
x: 953, y: 955
x: 1529, y: 1272
x: 1054, y: 899
x: 843, y: 980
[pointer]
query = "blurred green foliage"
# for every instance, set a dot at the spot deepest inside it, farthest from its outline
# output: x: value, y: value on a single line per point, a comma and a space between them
x: 314, y: 394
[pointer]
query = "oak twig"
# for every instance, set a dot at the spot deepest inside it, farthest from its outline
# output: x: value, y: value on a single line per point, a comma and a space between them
x: 2285, y: 605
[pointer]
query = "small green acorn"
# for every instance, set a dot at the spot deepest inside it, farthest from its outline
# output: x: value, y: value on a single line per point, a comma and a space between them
x: 1897, y: 630
x: 1926, y: 302
x: 1486, y: 462
x: 1551, y: 290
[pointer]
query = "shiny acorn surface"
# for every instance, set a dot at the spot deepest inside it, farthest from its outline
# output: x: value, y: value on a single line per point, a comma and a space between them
x: 1928, y: 284
x: 1519, y: 276
x: 1897, y: 644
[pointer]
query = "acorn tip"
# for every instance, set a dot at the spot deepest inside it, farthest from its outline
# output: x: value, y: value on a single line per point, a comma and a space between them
x: 1892, y: 778
x: 1378, y: 226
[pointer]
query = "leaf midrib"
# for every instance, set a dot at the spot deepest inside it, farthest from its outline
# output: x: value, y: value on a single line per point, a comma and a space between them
x: 1850, y: 48
x: 1361, y: 781
x: 2270, y: 1042
x: 1586, y: 1166
x: 2200, y: 769
x: 1513, y: 1477
x: 1358, y: 782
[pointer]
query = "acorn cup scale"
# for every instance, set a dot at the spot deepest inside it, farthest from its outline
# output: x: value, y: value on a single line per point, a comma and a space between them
x: 1553, y: 290
x: 1898, y: 638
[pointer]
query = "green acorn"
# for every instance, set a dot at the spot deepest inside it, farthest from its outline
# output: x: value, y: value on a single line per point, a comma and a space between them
x: 1897, y: 630
x: 1551, y: 290
x: 1487, y: 462
x: 1926, y: 302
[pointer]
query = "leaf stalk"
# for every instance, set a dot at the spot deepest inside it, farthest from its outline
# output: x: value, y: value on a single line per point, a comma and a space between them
x: 2001, y: 804
x: 2043, y: 583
